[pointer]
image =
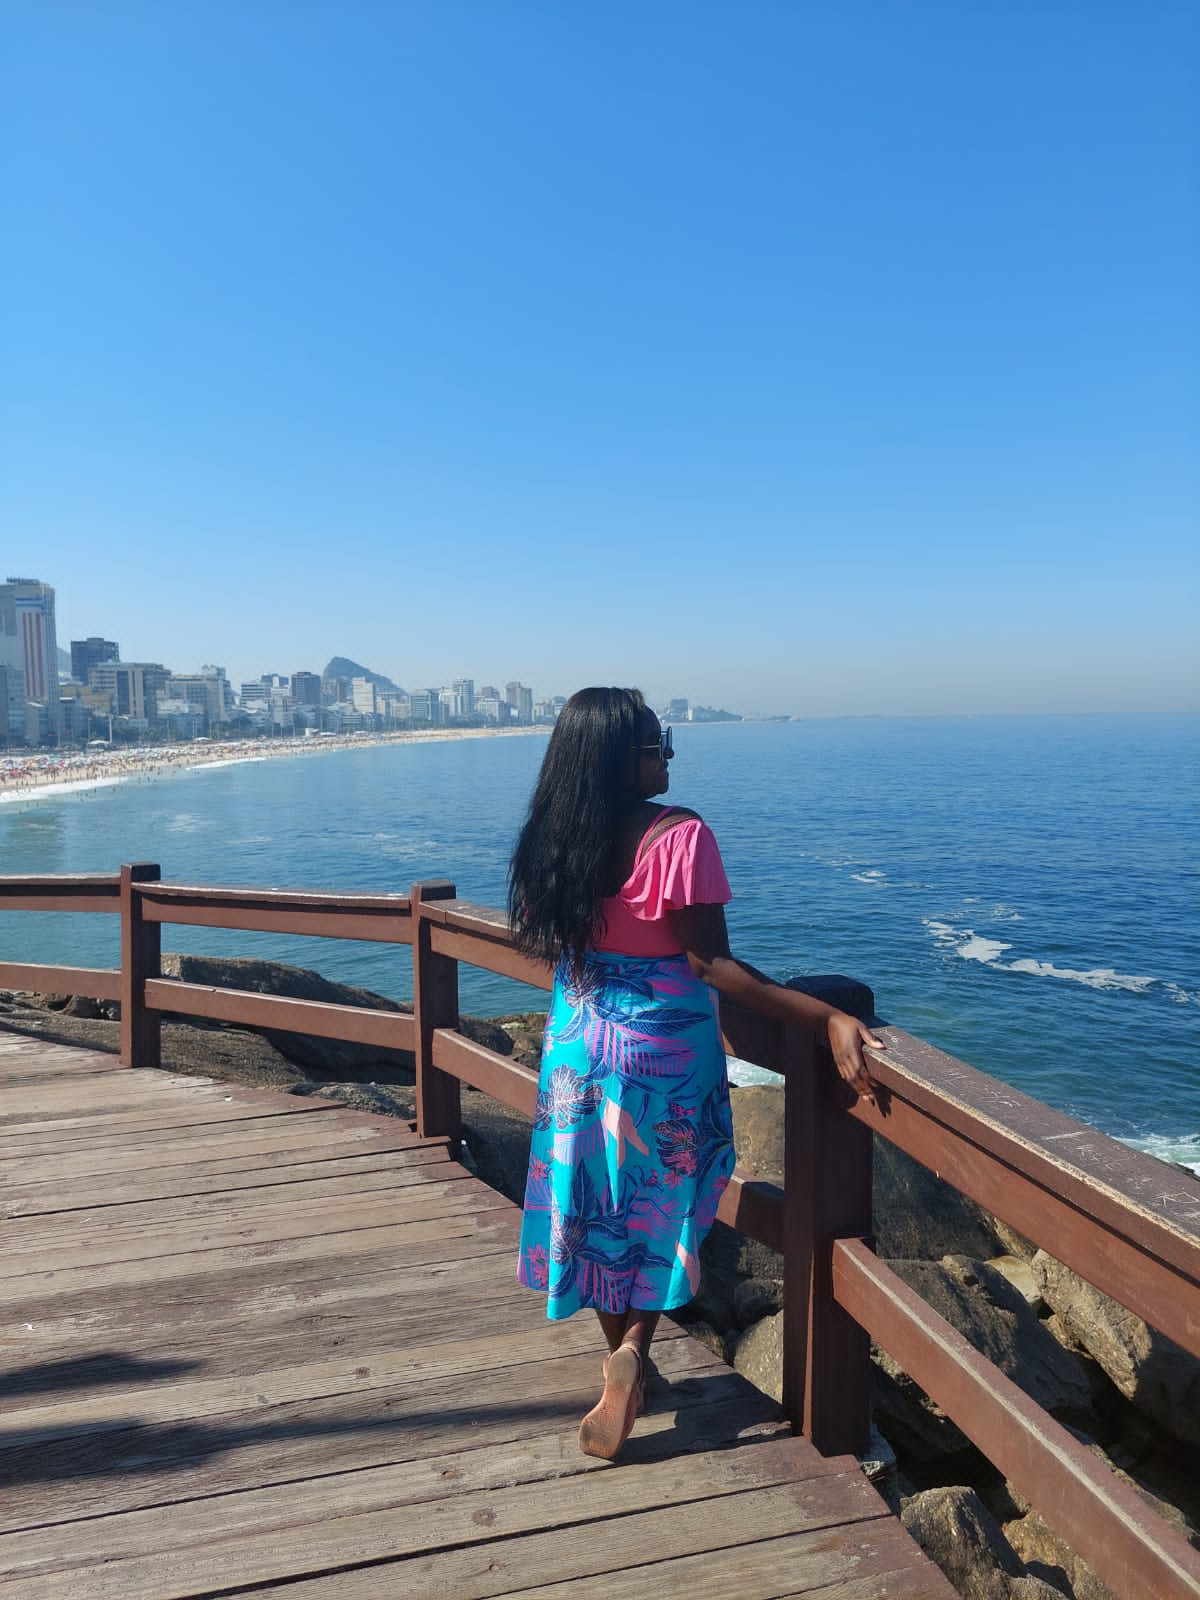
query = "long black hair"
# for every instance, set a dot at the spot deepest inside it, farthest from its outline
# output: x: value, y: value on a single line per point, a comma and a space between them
x: 563, y: 865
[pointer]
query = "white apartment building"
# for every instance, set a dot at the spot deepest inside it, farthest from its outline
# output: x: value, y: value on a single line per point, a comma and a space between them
x: 29, y: 655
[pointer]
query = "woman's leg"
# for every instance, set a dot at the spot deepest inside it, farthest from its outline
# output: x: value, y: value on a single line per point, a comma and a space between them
x: 635, y: 1327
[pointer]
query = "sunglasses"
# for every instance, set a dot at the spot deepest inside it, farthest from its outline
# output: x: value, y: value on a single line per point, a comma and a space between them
x: 663, y: 745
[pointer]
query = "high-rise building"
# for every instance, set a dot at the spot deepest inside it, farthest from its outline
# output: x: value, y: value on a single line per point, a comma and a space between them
x: 306, y: 688
x: 29, y: 644
x: 520, y: 702
x: 208, y: 692
x: 89, y: 653
x: 362, y: 695
x: 133, y: 687
x: 464, y: 688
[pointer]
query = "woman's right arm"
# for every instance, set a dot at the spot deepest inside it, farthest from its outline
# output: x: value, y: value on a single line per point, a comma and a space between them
x: 702, y: 932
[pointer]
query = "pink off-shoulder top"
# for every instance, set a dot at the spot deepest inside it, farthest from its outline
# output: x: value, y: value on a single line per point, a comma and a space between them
x: 682, y: 867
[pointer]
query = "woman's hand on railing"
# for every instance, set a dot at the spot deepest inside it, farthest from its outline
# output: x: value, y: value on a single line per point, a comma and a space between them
x: 846, y: 1039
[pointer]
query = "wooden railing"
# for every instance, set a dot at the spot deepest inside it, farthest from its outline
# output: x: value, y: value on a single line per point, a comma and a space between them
x: 1123, y: 1221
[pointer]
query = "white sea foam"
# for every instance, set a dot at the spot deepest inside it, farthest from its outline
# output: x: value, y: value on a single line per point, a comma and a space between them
x: 234, y: 761
x: 1182, y: 996
x: 872, y: 875
x: 976, y: 948
x: 52, y: 791
x: 187, y: 822
x: 1183, y: 1150
x: 971, y: 946
x: 1096, y: 978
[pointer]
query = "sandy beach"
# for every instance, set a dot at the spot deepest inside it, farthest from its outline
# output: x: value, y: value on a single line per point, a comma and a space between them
x: 43, y: 774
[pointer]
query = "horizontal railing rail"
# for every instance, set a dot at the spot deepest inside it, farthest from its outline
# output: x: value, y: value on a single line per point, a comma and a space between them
x: 1123, y: 1221
x: 81, y: 892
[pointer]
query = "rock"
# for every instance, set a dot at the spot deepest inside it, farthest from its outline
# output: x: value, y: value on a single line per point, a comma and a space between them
x: 918, y: 1427
x: 728, y: 1259
x: 704, y: 1333
x: 879, y: 1461
x: 957, y: 1531
x: 483, y: 1032
x: 525, y: 1030
x: 755, y: 1298
x: 918, y: 1217
x: 80, y: 1005
x: 1053, y: 1561
x: 1016, y: 1244
x: 323, y: 1059
x: 1027, y: 1587
x: 758, y: 1129
x: 359, y: 1097
x: 758, y: 1355
x: 993, y: 1316
x: 1018, y: 1272
x: 499, y: 1141
x: 1159, y: 1377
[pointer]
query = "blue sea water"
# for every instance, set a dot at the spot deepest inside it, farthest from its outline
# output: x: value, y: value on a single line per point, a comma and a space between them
x: 1019, y: 891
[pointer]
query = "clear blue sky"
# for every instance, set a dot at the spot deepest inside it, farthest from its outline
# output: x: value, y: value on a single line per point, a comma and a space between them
x: 818, y: 358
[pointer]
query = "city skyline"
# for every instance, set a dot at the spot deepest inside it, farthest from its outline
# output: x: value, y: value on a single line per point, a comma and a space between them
x: 51, y: 695
x: 809, y: 360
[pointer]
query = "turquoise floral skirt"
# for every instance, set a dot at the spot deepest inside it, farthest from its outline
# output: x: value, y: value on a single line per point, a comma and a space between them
x: 632, y: 1137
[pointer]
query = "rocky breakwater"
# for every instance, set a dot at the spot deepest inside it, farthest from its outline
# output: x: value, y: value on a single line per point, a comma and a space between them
x: 1130, y: 1394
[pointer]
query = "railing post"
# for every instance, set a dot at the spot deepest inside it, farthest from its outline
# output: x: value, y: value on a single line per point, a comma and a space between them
x: 141, y: 956
x: 435, y: 1005
x: 827, y: 1196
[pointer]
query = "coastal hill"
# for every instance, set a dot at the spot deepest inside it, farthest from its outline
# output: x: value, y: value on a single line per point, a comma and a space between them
x: 343, y: 667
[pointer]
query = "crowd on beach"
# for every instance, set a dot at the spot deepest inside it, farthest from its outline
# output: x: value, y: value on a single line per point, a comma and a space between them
x: 26, y: 772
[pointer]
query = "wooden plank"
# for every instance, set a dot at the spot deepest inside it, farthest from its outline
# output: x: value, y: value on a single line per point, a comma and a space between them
x: 127, y: 1099
x: 134, y: 1129
x: 429, y: 1232
x: 480, y: 936
x: 156, y: 1228
x: 435, y: 1005
x: 1132, y: 1255
x: 387, y: 1030
x: 1139, y: 1198
x: 1127, y: 1545
x: 379, y: 919
x: 754, y: 1207
x: 733, y: 1551
x: 341, y: 1421
x: 119, y: 1248
x: 69, y: 892
x: 241, y: 1139
x: 163, y: 1396
x: 862, y: 1561
x: 465, y: 1497
x: 501, y: 1077
x: 243, y: 1172
x: 141, y: 961
x: 369, y: 1301
x: 124, y: 1212
x: 97, y: 983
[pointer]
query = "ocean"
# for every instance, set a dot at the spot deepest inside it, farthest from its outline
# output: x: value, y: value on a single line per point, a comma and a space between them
x: 1019, y: 891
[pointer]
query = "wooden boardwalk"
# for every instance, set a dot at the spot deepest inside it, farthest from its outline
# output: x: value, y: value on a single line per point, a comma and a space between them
x: 263, y: 1346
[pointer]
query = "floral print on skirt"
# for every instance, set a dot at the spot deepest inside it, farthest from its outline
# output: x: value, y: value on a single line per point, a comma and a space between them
x: 632, y: 1137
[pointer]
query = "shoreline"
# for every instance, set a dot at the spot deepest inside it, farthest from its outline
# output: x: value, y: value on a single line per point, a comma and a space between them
x: 49, y: 774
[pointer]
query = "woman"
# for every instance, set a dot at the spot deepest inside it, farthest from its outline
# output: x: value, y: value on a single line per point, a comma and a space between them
x: 633, y: 1138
